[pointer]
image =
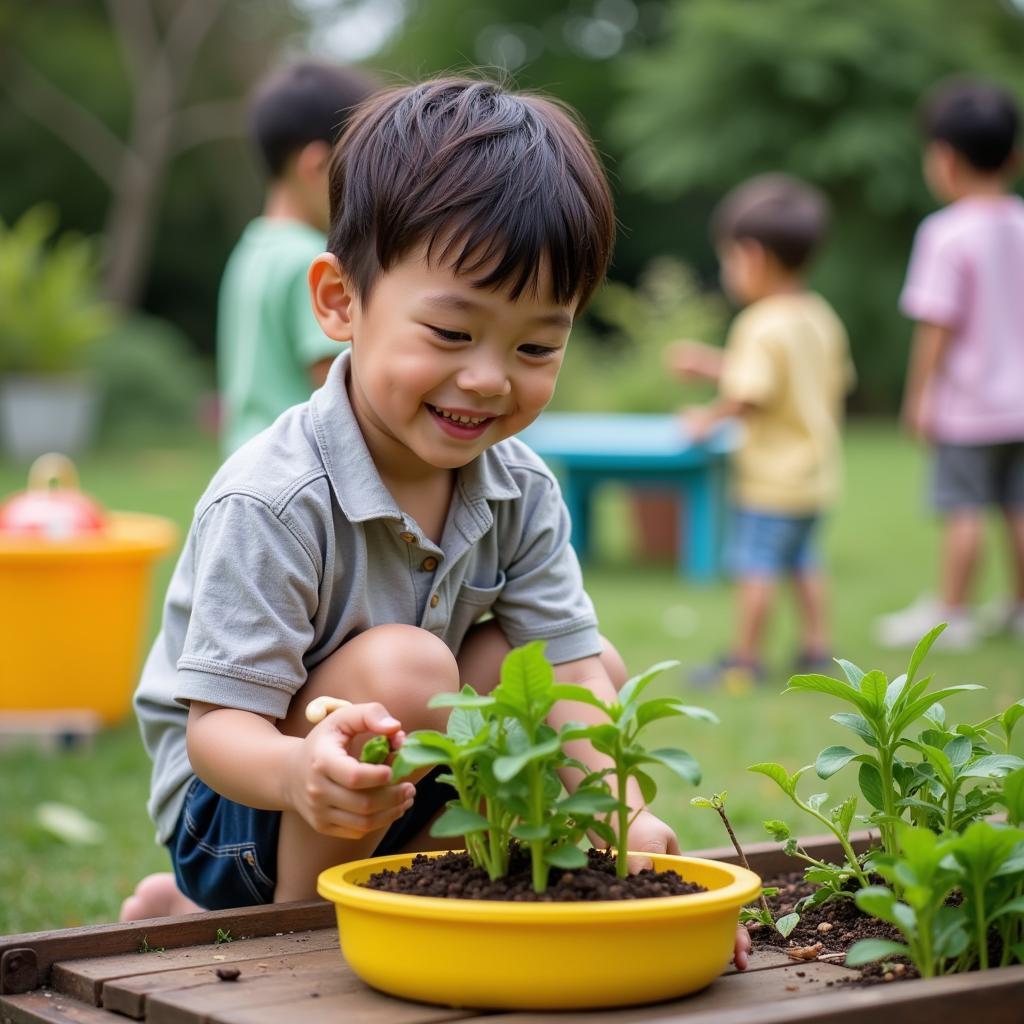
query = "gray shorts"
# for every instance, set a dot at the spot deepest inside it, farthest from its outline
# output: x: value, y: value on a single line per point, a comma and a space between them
x: 978, y: 475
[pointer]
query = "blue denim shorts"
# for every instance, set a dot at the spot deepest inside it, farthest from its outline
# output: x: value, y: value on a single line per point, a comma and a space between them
x: 225, y: 854
x: 769, y: 544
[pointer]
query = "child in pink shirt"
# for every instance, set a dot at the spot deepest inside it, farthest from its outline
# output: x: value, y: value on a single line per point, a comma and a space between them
x: 965, y: 291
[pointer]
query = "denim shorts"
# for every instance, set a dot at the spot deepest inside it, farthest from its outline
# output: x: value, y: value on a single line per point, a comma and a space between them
x: 972, y: 476
x: 770, y: 544
x: 225, y: 854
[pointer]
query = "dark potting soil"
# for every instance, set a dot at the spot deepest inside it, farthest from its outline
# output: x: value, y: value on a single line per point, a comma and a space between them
x: 452, y: 875
x: 837, y: 925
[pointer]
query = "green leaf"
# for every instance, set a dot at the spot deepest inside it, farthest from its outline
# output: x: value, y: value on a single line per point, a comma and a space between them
x: 1013, y: 796
x: 777, y: 774
x: 832, y: 759
x: 851, y: 671
x: 458, y: 821
x: 531, y: 833
x: 858, y: 724
x: 824, y: 684
x: 992, y: 766
x: 461, y: 700
x: 778, y: 830
x: 527, y: 680
x: 648, y: 787
x: 844, y: 814
x: 591, y: 801
x: 869, y: 778
x: 922, y: 649
x: 873, y: 686
x: 510, y: 765
x: 1010, y: 717
x: 786, y: 924
x: 635, y: 686
x: 894, y: 691
x: 678, y: 761
x: 867, y: 951
x: 958, y: 750
x: 877, y: 901
x: 664, y: 707
x: 916, y: 708
x: 702, y: 802
x: 1015, y: 906
x: 568, y: 857
x: 579, y: 694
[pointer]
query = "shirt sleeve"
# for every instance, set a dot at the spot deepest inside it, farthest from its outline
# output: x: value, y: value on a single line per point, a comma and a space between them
x: 748, y: 369
x: 255, y: 592
x: 543, y: 597
x: 934, y: 291
x: 311, y: 344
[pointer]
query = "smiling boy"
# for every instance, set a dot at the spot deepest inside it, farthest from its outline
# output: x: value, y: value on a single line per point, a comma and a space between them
x: 352, y: 549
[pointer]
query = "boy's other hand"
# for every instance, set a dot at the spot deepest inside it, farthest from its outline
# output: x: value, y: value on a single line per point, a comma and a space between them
x: 334, y: 792
x: 698, y: 421
x: 693, y: 360
x: 917, y: 419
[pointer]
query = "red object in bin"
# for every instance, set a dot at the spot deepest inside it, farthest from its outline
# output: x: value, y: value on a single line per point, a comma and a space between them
x: 53, y: 508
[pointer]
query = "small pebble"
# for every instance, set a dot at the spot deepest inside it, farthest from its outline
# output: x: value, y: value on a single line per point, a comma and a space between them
x: 228, y: 973
x: 899, y: 970
x: 888, y: 976
x: 824, y: 927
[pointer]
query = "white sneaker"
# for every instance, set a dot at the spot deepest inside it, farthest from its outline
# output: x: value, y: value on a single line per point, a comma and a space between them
x: 1001, y: 616
x: 904, y: 628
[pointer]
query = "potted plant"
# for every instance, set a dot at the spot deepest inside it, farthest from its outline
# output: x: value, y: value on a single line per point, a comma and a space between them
x: 50, y: 317
x: 534, y: 949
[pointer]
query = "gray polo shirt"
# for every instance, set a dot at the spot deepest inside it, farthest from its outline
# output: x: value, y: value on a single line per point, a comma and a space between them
x: 297, y: 546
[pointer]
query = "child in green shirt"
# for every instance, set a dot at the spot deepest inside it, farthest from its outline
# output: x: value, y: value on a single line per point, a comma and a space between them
x: 271, y: 352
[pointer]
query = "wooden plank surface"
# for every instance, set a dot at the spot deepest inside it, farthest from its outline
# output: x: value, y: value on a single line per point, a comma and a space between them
x: 167, y: 932
x: 89, y: 979
x: 44, y: 1007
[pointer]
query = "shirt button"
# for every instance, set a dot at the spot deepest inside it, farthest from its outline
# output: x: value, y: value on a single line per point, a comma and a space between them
x: 407, y: 537
x: 435, y: 601
x: 429, y: 564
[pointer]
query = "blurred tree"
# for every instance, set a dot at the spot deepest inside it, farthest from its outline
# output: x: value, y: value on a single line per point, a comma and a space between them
x: 130, y: 87
x: 826, y: 91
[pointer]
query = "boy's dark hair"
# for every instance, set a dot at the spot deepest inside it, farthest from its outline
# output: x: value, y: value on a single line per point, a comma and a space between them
x: 784, y: 214
x: 303, y: 103
x: 978, y: 119
x: 480, y: 176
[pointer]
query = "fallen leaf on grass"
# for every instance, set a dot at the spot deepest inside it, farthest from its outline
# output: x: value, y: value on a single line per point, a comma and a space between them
x: 69, y: 824
x: 805, y: 952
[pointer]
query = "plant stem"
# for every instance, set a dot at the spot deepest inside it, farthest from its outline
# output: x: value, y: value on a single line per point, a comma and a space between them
x: 885, y: 759
x: 539, y: 868
x: 980, y: 926
x: 739, y: 851
x: 844, y: 842
x: 622, y: 859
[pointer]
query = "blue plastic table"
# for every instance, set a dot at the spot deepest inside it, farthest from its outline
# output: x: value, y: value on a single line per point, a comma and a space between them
x: 586, y: 449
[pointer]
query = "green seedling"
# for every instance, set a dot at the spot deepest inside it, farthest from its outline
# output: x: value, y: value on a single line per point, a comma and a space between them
x: 375, y: 750
x: 505, y: 762
x: 223, y: 935
x: 884, y: 712
x: 619, y: 740
x: 145, y: 947
x: 762, y: 914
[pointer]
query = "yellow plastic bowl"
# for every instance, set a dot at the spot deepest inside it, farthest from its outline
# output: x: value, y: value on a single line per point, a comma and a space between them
x: 72, y: 615
x: 539, y: 956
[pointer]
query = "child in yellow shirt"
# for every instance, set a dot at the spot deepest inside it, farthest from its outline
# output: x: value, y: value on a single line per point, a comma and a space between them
x: 784, y: 373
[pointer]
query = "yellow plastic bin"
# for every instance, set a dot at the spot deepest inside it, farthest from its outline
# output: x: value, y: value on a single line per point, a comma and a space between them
x: 72, y: 614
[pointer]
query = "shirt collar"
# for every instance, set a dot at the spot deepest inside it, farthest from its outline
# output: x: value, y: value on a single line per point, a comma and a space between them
x: 353, y: 475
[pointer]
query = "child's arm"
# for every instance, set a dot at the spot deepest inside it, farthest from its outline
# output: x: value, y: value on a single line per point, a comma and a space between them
x: 244, y: 757
x: 694, y: 359
x: 700, y: 420
x: 927, y: 353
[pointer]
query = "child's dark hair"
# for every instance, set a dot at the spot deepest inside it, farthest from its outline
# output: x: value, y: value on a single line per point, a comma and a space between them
x: 784, y: 214
x: 494, y: 184
x: 978, y: 119
x: 303, y: 103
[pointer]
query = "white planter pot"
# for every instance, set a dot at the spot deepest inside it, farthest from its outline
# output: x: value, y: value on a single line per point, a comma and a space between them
x: 47, y: 413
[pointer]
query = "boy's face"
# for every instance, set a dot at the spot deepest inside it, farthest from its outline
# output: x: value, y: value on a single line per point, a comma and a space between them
x: 743, y: 268
x: 940, y: 167
x: 442, y: 370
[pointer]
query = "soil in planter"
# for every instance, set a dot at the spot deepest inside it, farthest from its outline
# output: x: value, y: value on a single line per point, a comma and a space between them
x: 837, y: 925
x: 452, y: 875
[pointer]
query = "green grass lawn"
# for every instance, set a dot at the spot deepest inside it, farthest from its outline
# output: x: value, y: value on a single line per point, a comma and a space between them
x: 881, y: 552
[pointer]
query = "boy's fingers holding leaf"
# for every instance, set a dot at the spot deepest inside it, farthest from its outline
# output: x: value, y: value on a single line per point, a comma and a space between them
x: 354, y: 719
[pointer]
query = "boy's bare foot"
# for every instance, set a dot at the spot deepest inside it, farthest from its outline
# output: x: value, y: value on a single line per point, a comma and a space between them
x: 157, y: 896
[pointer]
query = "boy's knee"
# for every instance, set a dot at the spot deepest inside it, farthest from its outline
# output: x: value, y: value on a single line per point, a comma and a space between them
x: 397, y: 665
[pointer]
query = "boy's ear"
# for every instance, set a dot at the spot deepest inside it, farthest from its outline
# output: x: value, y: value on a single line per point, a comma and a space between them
x: 332, y: 295
x: 311, y: 162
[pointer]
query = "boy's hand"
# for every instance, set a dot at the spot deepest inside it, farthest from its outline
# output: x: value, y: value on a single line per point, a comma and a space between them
x: 649, y: 834
x: 916, y: 418
x: 699, y: 421
x: 693, y: 359
x: 334, y: 792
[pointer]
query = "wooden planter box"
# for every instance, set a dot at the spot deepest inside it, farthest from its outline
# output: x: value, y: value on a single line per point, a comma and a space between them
x: 290, y: 970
